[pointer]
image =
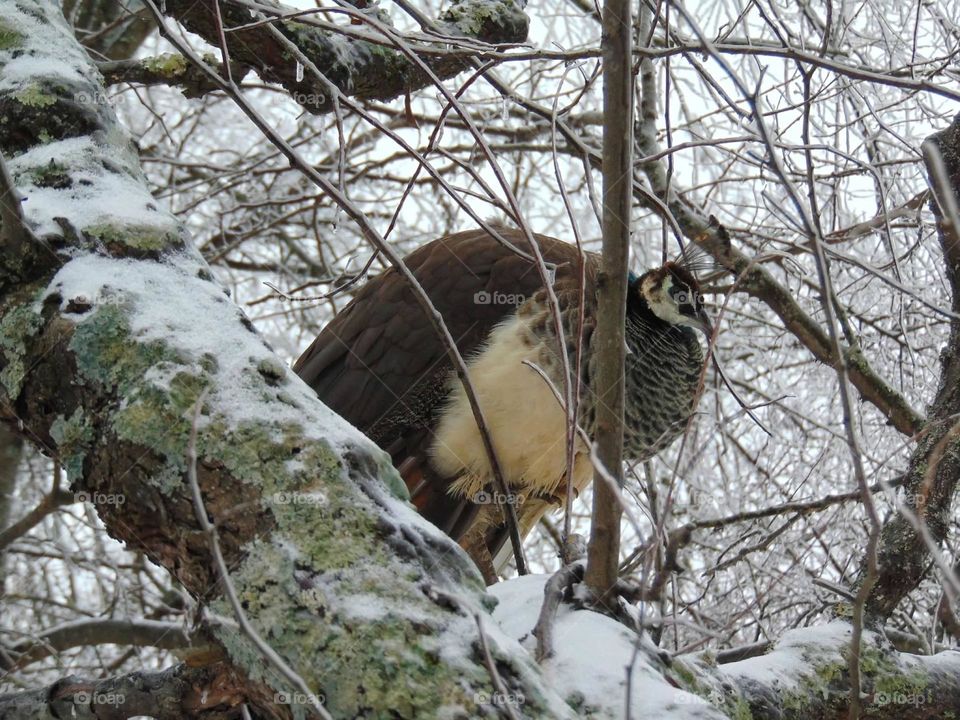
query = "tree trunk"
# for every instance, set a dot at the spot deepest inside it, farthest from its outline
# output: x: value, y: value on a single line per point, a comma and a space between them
x: 115, y: 332
x: 904, y: 554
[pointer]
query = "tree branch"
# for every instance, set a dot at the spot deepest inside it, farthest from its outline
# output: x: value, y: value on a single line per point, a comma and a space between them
x: 104, y: 359
x: 609, y: 341
x: 177, y: 693
x: 934, y: 468
x: 359, y: 68
x: 167, y: 69
x: 137, y: 633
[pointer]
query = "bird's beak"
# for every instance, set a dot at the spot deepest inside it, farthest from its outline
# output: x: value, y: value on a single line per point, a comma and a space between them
x: 705, y: 324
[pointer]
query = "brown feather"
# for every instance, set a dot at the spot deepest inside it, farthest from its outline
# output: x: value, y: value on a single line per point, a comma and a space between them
x: 381, y: 365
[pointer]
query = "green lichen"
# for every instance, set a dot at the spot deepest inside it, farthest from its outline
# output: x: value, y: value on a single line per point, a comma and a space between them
x: 391, y: 477
x: 271, y: 369
x: 305, y: 611
x: 326, y: 546
x: 10, y: 38
x: 825, y: 683
x: 34, y: 95
x: 730, y: 703
x: 736, y: 708
x: 144, y: 238
x: 74, y: 437
x: 106, y: 353
x: 890, y: 679
x: 466, y: 17
x: 161, y: 418
x: 492, y: 21
x: 16, y: 328
x: 169, y: 65
x: 154, y: 416
x: 52, y: 175
x: 686, y: 677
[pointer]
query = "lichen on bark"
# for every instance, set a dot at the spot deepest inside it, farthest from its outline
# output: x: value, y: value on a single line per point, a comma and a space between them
x: 123, y: 345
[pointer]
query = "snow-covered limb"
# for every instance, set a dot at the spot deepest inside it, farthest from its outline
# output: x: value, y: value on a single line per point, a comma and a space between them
x: 804, y: 676
x: 365, y: 69
x: 169, y: 69
x: 104, y: 356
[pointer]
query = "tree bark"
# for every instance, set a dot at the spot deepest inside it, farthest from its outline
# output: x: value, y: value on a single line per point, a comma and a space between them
x: 355, y: 66
x: 109, y: 347
x: 213, y: 692
x: 608, y: 363
x: 904, y: 554
x: 11, y: 449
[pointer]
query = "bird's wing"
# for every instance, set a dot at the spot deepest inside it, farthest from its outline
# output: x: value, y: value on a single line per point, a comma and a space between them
x: 381, y: 365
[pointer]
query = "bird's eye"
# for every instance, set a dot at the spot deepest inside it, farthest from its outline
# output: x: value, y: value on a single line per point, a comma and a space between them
x: 687, y: 299
x: 683, y: 295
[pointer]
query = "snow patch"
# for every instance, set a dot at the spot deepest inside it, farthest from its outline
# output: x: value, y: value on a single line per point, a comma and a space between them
x: 33, y: 60
x: 593, y: 656
x: 794, y: 651
x: 96, y: 196
x: 195, y: 319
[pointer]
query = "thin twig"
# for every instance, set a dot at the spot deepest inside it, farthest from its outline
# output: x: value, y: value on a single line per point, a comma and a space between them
x: 553, y: 593
x: 505, y: 700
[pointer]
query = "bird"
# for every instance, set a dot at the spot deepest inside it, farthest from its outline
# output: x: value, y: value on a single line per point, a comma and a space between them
x: 381, y: 364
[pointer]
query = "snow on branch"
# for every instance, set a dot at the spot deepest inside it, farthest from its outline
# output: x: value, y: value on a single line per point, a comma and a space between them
x: 104, y: 358
x: 371, y: 63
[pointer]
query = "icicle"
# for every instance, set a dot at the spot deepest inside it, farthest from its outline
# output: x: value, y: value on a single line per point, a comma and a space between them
x: 299, y: 72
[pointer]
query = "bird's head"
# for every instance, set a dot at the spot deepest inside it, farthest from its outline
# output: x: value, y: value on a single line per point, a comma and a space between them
x: 672, y: 293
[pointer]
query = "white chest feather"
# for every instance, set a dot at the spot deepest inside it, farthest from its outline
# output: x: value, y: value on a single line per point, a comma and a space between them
x: 525, y: 420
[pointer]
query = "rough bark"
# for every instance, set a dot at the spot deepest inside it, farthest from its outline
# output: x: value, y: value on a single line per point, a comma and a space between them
x: 11, y: 448
x: 934, y: 470
x: 802, y: 677
x: 609, y: 339
x: 177, y: 693
x: 806, y: 676
x: 169, y: 69
x: 356, y: 67
x: 106, y: 351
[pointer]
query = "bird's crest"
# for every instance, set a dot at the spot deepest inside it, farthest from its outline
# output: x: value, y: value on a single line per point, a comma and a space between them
x: 695, y: 260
